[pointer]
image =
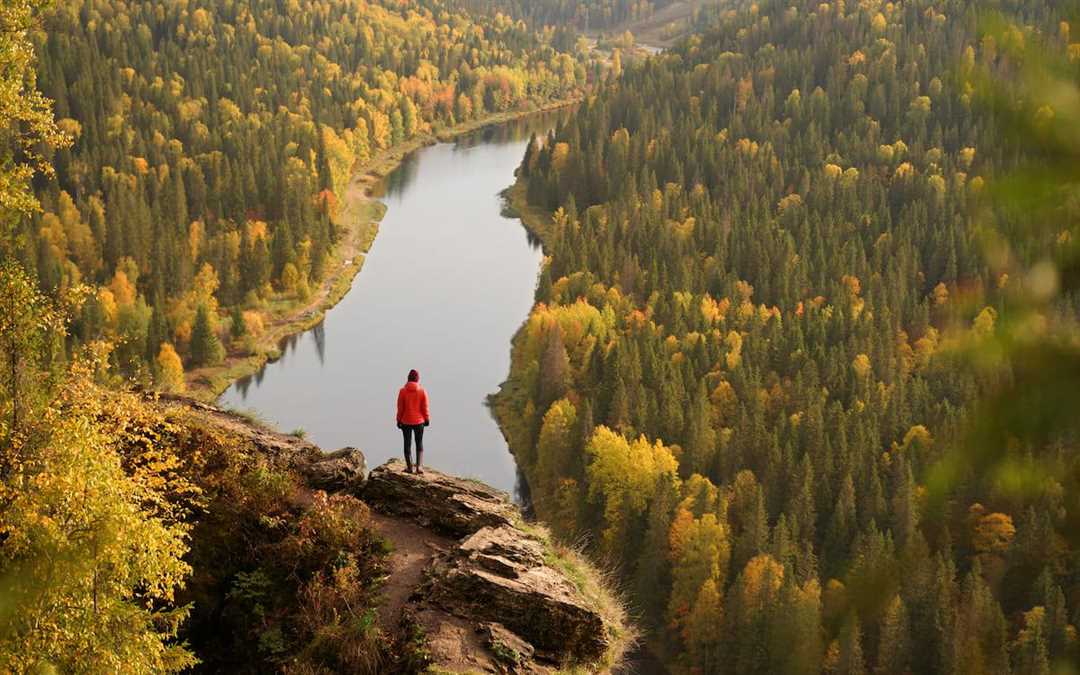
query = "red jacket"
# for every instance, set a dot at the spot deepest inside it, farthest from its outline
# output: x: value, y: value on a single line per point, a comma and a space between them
x: 412, y: 404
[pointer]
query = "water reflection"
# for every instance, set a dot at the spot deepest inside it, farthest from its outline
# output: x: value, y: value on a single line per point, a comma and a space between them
x: 447, y: 283
x: 508, y: 134
x: 318, y: 334
x: 399, y: 179
x: 534, y: 241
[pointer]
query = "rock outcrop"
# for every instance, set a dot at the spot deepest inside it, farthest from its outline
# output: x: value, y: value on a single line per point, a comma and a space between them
x: 487, y: 592
x: 343, y: 470
x: 454, y: 507
x: 497, y: 578
x: 286, y: 448
x: 499, y: 575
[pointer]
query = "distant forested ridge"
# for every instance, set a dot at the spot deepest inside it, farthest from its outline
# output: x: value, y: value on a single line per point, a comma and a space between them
x: 580, y: 14
x: 736, y: 376
x: 214, y: 141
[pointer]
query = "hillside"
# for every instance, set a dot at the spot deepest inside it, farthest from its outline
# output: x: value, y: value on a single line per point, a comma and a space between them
x: 461, y: 582
x: 206, y: 197
x: 743, y: 366
x: 801, y: 376
x: 582, y: 15
x: 302, y: 561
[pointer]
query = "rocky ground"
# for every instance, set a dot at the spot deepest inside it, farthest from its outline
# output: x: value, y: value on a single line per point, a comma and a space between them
x: 485, y: 591
x: 487, y: 597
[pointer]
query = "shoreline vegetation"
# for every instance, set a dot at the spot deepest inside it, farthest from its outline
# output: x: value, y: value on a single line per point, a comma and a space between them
x: 643, y: 649
x: 775, y: 371
x: 358, y: 222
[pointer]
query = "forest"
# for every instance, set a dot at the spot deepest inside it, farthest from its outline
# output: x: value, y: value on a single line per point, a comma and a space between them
x: 170, y: 174
x: 213, y: 144
x: 748, y: 375
x: 802, y: 371
x: 581, y: 14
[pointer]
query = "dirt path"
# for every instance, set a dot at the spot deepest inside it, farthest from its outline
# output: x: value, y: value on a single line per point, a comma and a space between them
x: 414, y: 547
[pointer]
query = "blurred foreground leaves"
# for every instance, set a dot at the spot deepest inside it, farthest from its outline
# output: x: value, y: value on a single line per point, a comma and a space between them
x: 1022, y: 442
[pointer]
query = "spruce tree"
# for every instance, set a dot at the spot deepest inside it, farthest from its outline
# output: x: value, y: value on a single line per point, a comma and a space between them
x: 205, y: 348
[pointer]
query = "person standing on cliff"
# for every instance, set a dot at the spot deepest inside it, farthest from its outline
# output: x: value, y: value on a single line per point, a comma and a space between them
x: 412, y: 417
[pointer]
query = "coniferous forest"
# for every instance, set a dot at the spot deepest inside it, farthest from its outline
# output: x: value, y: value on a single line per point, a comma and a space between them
x: 744, y: 370
x: 213, y: 144
x: 802, y: 372
x: 581, y: 14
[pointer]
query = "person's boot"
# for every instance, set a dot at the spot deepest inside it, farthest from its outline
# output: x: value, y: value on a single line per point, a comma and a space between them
x: 419, y: 461
x: 408, y: 462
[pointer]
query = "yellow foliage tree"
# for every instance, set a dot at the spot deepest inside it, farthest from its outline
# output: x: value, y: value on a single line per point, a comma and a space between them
x: 700, y: 554
x: 170, y: 369
x: 861, y: 365
x: 623, y: 476
x: 761, y: 579
x: 700, y: 631
x: 993, y: 533
x: 122, y: 290
x: 94, y: 536
x: 734, y: 355
x: 983, y: 325
x: 25, y: 112
x: 554, y: 458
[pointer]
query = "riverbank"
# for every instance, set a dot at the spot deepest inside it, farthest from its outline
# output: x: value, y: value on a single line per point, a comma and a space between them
x: 359, y: 221
x: 444, y: 290
x: 533, y: 218
x: 643, y: 656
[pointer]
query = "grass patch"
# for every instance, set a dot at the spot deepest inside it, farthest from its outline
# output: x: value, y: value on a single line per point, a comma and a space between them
x: 251, y: 416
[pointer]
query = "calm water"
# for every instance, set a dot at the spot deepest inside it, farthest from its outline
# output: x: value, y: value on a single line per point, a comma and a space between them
x: 445, y: 286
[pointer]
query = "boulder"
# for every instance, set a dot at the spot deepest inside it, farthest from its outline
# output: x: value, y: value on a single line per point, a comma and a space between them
x: 343, y: 470
x: 454, y: 507
x: 499, y: 575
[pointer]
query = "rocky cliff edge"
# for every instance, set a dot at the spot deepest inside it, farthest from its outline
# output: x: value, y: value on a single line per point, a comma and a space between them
x: 476, y: 586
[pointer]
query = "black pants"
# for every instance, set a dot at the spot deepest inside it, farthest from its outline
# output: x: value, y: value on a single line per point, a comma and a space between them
x: 408, y: 431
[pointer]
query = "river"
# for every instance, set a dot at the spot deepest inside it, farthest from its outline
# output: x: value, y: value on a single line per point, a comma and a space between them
x: 445, y: 286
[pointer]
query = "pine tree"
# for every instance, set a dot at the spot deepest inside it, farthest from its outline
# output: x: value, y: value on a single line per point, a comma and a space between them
x: 237, y: 327
x: 206, y: 348
x: 893, y: 640
x: 851, y: 654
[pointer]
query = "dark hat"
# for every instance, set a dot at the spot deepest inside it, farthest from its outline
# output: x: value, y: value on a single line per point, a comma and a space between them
x: 414, y: 376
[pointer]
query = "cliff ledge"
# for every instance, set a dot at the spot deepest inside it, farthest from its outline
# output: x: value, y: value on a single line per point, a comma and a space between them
x: 470, y: 584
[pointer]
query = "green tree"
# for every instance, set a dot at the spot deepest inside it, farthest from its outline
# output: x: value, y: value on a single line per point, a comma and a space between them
x: 894, y: 639
x: 206, y: 349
